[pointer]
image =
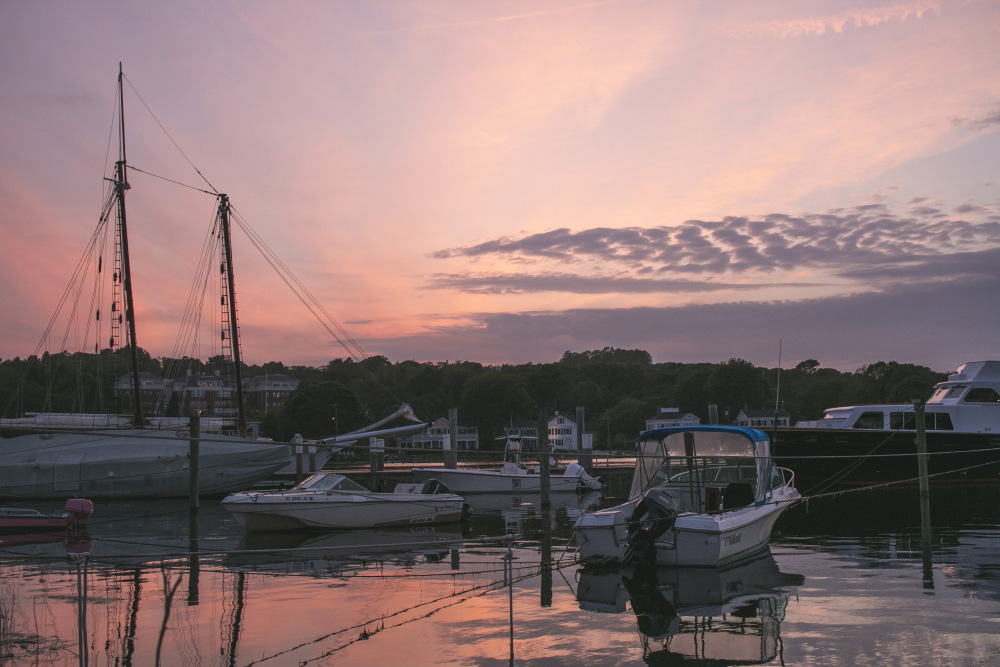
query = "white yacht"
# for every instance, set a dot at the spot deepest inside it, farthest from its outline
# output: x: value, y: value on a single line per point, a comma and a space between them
x: 968, y: 402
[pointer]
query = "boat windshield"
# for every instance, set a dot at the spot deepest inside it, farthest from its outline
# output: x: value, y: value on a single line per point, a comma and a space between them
x: 327, y: 482
x: 706, y: 470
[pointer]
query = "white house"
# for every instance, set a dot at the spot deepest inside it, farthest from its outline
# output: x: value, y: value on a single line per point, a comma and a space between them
x: 672, y: 417
x: 562, y: 433
x: 761, y: 418
x: 433, y: 436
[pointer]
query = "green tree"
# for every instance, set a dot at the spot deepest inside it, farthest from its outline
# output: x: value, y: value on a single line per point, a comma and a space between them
x: 312, y: 409
x: 491, y: 400
x: 736, y: 384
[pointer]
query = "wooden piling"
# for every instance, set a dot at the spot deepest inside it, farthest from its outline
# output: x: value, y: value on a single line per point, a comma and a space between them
x: 545, y: 481
x: 194, y: 453
x: 925, y: 492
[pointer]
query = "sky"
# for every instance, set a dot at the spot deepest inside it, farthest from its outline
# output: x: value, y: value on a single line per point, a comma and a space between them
x: 503, y: 182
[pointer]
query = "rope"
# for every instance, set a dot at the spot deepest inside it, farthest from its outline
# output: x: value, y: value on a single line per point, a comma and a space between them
x: 214, y: 191
x: 170, y: 180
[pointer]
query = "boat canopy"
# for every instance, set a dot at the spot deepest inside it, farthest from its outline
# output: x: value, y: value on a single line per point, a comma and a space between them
x: 701, y: 442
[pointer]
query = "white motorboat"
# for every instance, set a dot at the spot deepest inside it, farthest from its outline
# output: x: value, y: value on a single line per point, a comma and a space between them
x: 329, y: 500
x: 700, y: 496
x: 512, y: 477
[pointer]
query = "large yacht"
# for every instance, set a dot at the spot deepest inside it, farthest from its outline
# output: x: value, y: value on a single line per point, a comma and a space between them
x: 968, y: 402
x: 875, y: 444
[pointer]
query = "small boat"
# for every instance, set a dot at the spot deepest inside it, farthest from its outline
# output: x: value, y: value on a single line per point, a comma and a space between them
x: 512, y: 477
x: 700, y: 496
x: 329, y: 500
x: 74, y: 518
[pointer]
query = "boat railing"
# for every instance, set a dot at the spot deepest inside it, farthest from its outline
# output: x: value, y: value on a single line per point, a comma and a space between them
x: 788, y: 476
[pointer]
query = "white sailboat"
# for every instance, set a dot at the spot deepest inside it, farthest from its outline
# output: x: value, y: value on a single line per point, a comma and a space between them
x: 138, y: 462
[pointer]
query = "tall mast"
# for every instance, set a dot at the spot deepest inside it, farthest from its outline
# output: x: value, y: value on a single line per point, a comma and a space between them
x: 121, y: 186
x: 234, y: 330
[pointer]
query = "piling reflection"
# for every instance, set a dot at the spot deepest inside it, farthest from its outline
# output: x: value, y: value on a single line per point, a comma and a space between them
x: 712, y: 616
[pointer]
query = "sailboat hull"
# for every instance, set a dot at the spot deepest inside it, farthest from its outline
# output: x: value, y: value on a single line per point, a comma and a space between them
x: 131, y: 464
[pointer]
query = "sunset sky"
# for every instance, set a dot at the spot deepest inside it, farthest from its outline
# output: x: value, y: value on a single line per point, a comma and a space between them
x: 503, y: 182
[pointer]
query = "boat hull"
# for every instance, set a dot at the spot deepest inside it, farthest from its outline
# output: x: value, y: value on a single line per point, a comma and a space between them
x: 829, y: 458
x: 290, y: 511
x: 488, y: 481
x: 696, y: 540
x: 130, y: 464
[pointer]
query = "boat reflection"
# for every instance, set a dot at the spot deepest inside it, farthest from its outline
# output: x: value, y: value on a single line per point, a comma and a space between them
x: 517, y: 511
x: 337, y: 553
x: 707, y: 615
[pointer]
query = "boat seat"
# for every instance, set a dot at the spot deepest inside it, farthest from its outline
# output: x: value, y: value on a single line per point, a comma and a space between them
x: 434, y: 486
x: 737, y: 494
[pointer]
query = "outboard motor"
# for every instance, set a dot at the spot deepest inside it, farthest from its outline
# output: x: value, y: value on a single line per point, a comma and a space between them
x: 653, y: 515
x: 586, y: 481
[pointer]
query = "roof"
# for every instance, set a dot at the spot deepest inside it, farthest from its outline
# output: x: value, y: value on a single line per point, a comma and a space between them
x: 763, y: 413
x: 750, y: 433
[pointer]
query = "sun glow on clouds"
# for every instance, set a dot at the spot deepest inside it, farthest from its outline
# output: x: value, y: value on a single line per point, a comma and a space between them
x: 427, y: 167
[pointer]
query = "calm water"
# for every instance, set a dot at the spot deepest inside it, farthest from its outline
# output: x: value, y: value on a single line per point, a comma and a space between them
x: 847, y: 582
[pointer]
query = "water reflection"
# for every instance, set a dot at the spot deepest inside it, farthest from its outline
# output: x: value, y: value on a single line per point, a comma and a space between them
x: 338, y: 553
x: 730, y: 616
x: 461, y: 595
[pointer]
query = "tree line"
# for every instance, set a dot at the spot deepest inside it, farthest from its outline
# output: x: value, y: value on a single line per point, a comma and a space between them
x: 619, y: 389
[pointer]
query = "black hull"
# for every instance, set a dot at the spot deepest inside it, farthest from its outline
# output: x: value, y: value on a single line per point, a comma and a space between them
x: 837, y: 458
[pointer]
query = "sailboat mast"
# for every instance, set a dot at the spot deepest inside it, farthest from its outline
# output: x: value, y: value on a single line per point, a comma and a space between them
x: 122, y: 185
x: 234, y: 330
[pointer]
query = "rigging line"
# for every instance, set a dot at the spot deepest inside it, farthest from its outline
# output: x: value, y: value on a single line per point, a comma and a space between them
x: 287, y: 276
x: 848, y: 469
x: 77, y: 273
x: 168, y: 134
x: 319, y: 319
x: 885, y: 456
x: 454, y: 598
x: 170, y: 180
x: 256, y: 238
x: 870, y: 487
x: 191, y: 319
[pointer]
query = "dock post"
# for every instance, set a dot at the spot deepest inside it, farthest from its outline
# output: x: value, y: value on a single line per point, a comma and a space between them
x: 299, y: 471
x: 450, y: 444
x: 544, y: 472
x: 585, y: 454
x: 194, y: 452
x: 375, y: 446
x: 919, y: 418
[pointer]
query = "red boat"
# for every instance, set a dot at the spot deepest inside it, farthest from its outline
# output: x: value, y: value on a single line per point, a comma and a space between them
x: 73, y: 518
